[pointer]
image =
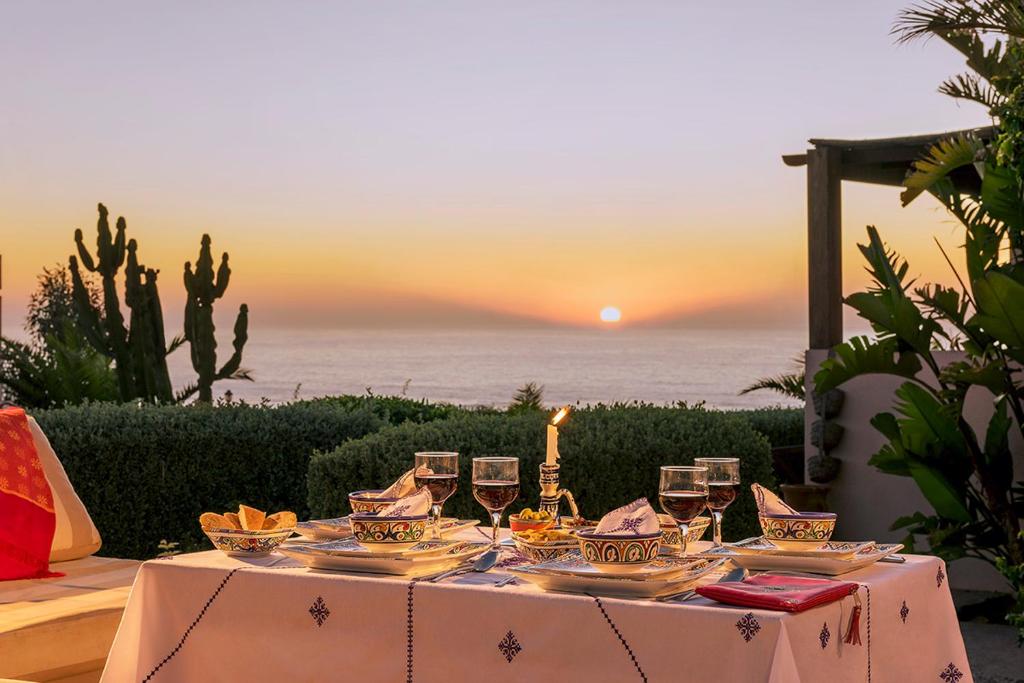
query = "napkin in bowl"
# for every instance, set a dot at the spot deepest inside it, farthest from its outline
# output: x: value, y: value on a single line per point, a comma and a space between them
x: 770, y: 504
x: 636, y: 519
x: 403, y: 486
x: 411, y: 506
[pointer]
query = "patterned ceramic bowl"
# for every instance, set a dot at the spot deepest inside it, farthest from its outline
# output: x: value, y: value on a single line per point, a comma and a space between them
x: 368, y: 501
x: 517, y: 524
x: 805, y: 531
x: 670, y: 530
x: 619, y: 553
x: 542, y: 552
x: 388, y: 534
x: 240, y: 543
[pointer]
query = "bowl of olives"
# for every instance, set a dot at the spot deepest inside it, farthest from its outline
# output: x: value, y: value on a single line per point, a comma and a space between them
x: 529, y: 520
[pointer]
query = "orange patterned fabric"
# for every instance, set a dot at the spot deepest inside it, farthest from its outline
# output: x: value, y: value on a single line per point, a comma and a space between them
x: 26, y: 502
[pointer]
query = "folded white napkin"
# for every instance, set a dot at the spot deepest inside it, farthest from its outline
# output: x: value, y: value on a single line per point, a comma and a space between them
x: 403, y: 486
x: 411, y: 506
x: 770, y: 504
x: 630, y: 520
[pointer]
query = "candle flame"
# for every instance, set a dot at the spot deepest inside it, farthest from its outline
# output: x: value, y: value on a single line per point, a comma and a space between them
x: 560, y: 415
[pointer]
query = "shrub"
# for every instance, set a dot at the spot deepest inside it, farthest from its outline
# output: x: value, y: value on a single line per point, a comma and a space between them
x: 397, y: 409
x: 781, y: 426
x: 610, y: 456
x: 146, y: 473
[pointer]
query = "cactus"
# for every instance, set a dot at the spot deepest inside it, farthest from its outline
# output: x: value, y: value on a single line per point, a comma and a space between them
x: 139, y: 355
x: 202, y: 289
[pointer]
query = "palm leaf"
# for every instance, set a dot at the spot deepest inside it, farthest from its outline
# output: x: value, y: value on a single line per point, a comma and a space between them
x: 944, y: 157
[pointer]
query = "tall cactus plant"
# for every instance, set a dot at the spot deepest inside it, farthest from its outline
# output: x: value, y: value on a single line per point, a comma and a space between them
x: 139, y: 355
x: 202, y: 289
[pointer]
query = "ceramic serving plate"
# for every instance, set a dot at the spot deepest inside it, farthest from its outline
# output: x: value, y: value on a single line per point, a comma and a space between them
x: 338, y: 528
x: 633, y: 586
x: 840, y: 550
x: 452, y: 553
x: 350, y: 547
x: 830, y: 566
x: 573, y: 564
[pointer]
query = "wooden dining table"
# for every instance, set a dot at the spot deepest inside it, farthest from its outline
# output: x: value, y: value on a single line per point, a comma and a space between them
x: 209, y: 617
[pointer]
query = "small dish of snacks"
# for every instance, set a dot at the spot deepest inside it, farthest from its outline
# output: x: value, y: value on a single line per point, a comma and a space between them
x: 544, y: 544
x: 528, y: 520
x: 248, y: 532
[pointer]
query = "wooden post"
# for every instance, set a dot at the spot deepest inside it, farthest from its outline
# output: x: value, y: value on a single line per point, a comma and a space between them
x: 824, y: 247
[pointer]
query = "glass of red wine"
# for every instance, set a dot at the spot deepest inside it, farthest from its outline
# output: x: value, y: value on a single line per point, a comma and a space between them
x: 439, y: 472
x: 683, y: 494
x: 495, y: 486
x: 723, y: 485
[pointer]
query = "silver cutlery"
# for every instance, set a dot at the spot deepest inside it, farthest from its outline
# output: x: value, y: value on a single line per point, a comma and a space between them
x: 894, y: 559
x: 482, y: 564
x: 737, y: 574
x: 505, y: 581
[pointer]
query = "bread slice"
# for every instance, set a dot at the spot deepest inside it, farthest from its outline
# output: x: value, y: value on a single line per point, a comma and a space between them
x: 281, y: 520
x: 251, y: 518
x: 233, y: 518
x: 211, y: 520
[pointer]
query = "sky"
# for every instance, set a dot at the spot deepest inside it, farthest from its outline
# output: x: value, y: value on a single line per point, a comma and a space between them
x: 453, y: 163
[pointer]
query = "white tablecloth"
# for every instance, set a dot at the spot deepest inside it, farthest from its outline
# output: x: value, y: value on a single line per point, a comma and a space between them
x: 208, y: 617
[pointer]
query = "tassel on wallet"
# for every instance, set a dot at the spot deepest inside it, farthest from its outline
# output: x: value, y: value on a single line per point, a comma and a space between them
x: 853, y: 628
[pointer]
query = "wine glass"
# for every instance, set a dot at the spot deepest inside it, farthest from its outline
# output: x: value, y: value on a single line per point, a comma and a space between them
x: 723, y: 485
x: 683, y: 494
x: 439, y: 472
x: 495, y: 486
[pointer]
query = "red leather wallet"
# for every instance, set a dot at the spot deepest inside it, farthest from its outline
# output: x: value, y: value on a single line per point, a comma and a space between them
x: 779, y: 592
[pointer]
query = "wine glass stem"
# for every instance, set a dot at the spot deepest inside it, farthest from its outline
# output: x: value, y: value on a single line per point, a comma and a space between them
x: 495, y: 524
x: 716, y: 519
x: 684, y: 531
x: 435, y: 510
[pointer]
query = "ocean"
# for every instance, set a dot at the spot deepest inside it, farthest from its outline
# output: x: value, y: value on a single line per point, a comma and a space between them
x: 485, y: 367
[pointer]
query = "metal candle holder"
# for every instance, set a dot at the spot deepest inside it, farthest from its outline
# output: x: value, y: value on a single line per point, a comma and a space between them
x: 551, y: 494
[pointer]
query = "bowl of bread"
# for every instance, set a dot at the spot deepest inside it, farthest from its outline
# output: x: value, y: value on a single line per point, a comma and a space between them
x: 248, y: 532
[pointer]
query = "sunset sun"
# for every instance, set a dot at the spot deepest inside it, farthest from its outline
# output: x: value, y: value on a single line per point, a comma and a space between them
x: 610, y: 314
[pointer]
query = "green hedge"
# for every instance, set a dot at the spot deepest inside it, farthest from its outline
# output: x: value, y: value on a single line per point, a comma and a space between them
x: 147, y: 473
x: 781, y: 426
x: 610, y: 456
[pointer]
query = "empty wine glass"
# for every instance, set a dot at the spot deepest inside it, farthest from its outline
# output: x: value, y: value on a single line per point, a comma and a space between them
x: 495, y: 486
x: 683, y: 494
x: 723, y: 485
x: 439, y: 472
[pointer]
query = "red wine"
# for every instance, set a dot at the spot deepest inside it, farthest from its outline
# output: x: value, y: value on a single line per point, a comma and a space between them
x: 495, y: 495
x: 720, y: 494
x: 683, y: 506
x: 441, y: 486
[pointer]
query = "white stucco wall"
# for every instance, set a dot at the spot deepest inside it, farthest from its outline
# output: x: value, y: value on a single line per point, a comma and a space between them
x: 866, y: 500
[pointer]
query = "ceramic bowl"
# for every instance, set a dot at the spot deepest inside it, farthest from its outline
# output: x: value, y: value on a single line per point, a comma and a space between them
x: 517, y: 524
x: 670, y: 530
x: 542, y: 552
x: 388, y: 534
x: 619, y: 553
x: 368, y: 501
x: 241, y: 543
x: 805, y: 531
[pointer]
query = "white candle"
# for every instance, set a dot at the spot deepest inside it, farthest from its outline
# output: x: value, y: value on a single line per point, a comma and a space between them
x: 552, y: 457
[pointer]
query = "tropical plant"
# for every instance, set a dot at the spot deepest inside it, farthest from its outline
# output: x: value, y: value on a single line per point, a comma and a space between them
x: 528, y: 397
x: 967, y: 477
x: 64, y: 370
x: 51, y: 306
x: 202, y: 288
x: 790, y: 384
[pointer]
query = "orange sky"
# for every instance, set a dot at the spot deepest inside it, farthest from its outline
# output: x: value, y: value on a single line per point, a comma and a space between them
x: 420, y: 166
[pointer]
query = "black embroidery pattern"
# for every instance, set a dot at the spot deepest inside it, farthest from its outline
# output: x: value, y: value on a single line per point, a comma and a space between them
x: 622, y: 640
x: 824, y: 636
x: 951, y: 674
x: 940, y: 576
x: 318, y: 610
x: 195, y: 622
x: 509, y: 646
x: 748, y: 626
x: 904, y: 611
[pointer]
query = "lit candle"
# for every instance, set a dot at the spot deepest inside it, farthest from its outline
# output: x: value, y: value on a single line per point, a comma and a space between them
x: 552, y: 454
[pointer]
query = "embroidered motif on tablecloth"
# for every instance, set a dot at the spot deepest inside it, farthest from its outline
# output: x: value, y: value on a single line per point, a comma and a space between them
x: 824, y: 636
x: 951, y: 674
x: 318, y: 610
x: 904, y: 611
x: 509, y: 646
x: 748, y: 626
x: 940, y: 576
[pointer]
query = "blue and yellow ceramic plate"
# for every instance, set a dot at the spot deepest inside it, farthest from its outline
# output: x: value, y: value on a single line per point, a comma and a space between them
x: 629, y: 586
x: 437, y: 556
